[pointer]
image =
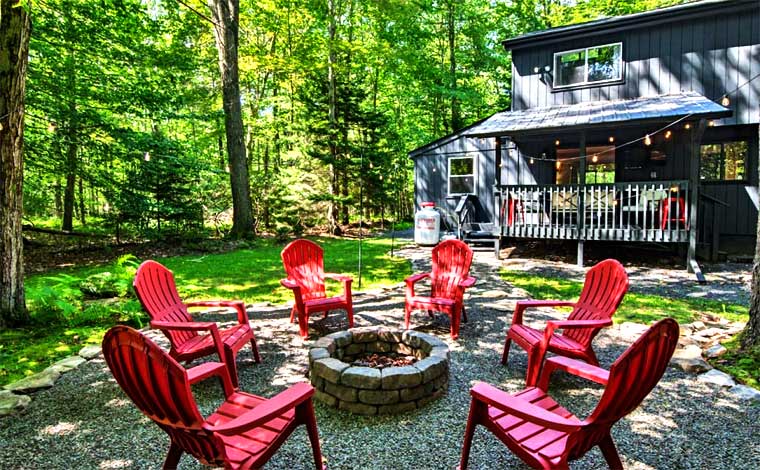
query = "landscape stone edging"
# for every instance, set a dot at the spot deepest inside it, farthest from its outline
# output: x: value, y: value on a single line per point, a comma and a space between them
x: 14, y: 397
x: 370, y: 391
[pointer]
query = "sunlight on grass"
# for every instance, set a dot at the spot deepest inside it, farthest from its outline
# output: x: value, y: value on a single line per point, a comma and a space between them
x: 741, y: 364
x: 639, y: 308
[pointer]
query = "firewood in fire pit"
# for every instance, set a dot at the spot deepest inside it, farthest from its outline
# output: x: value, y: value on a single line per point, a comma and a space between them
x: 381, y: 361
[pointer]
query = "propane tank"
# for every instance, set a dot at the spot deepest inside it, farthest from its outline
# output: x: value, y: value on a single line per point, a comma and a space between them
x: 427, y: 222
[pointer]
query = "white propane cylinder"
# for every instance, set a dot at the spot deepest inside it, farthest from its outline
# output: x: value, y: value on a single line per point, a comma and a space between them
x: 426, y: 225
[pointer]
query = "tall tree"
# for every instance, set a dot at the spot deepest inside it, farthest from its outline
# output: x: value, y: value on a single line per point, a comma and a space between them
x: 226, y: 15
x: 14, y: 56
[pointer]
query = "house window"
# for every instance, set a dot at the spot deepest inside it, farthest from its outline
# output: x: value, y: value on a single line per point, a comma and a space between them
x: 589, y: 65
x: 726, y: 161
x: 462, y: 175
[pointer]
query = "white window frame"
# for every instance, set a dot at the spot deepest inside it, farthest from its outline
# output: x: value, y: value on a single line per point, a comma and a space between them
x: 474, y: 174
x: 585, y: 67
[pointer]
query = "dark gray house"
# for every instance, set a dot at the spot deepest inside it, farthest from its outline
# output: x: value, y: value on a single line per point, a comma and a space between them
x: 640, y: 128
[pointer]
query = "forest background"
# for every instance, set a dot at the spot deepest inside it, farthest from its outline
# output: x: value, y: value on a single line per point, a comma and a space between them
x: 125, y: 130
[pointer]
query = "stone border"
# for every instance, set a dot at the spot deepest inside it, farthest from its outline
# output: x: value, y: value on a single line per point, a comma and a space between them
x: 370, y: 391
x: 14, y: 398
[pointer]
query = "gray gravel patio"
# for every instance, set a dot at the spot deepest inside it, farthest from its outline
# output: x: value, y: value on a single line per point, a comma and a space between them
x: 85, y: 421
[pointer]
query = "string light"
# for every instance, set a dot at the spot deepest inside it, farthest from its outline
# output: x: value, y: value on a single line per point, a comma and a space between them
x: 595, y: 158
x: 531, y: 160
x: 611, y: 139
x: 668, y: 134
x: 51, y: 127
x: 371, y: 165
x: 559, y: 164
x: 711, y: 123
x: 687, y: 126
x: 647, y: 140
x: 1, y: 126
x: 146, y: 157
x: 725, y: 101
x: 227, y: 168
x: 556, y: 142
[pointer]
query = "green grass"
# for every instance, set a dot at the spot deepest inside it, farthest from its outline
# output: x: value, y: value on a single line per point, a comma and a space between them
x: 64, y: 320
x: 744, y: 365
x: 639, y: 308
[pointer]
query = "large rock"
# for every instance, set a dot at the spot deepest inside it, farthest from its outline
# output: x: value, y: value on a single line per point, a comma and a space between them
x: 742, y: 392
x: 11, y: 403
x: 715, y: 351
x: 361, y: 377
x: 692, y: 366
x: 395, y: 378
x: 39, y: 381
x: 329, y: 369
x: 90, y: 352
x: 717, y: 377
x: 67, y: 364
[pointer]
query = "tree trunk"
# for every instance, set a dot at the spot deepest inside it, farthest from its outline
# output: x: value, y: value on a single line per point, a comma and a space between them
x: 226, y: 19
x: 456, y: 120
x: 332, y: 212
x: 82, y: 210
x: 751, y: 335
x: 14, y: 56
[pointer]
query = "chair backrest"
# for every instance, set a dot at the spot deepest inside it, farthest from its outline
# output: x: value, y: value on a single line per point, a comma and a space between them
x: 451, y: 265
x: 304, y: 263
x: 633, y: 375
x: 159, y: 387
x: 603, y: 290
x: 155, y: 287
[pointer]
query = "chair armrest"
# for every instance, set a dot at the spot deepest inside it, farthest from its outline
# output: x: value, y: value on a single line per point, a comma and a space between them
x: 238, y: 305
x: 211, y: 369
x: 469, y: 282
x: 552, y: 325
x: 411, y: 280
x: 572, y: 366
x: 516, y: 406
x: 266, y: 411
x: 522, y: 305
x: 183, y: 326
x: 339, y: 277
x: 293, y: 285
x: 289, y: 284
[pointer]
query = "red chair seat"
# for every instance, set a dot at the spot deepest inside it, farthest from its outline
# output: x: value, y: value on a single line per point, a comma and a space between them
x: 547, y: 436
x: 449, y: 278
x: 557, y: 343
x: 305, y: 267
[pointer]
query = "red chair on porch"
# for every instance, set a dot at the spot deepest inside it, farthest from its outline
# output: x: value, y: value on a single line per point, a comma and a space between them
x: 672, y: 221
x: 449, y: 278
x: 604, y: 288
x: 243, y: 433
x: 543, y: 433
x: 304, y: 265
x: 157, y: 291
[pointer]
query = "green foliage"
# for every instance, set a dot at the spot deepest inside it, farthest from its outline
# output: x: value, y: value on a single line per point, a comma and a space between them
x: 742, y: 364
x: 640, y: 308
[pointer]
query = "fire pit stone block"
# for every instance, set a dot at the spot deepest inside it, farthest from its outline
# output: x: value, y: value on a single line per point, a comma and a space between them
x: 387, y: 390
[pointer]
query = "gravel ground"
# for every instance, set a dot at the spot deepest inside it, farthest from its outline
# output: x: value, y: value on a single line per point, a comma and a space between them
x: 85, y: 421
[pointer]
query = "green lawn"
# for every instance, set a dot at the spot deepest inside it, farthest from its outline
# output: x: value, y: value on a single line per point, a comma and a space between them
x: 67, y: 314
x: 639, y: 308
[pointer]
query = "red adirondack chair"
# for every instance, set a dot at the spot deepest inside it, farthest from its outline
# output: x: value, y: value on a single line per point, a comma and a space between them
x: 543, y: 433
x: 243, y: 433
x: 158, y: 295
x: 604, y: 288
x: 305, y: 267
x: 449, y: 278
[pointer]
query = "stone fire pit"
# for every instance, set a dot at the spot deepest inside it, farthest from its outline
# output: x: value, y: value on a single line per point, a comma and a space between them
x: 368, y: 390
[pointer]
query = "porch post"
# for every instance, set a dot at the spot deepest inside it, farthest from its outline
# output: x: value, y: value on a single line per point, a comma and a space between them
x: 581, y: 197
x: 497, y: 194
x: 691, y: 254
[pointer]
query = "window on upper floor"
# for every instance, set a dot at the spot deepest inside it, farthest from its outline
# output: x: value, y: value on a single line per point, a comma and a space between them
x: 587, y: 66
x: 726, y: 161
x: 462, y: 175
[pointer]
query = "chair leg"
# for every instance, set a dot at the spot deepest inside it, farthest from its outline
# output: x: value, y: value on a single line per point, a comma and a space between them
x: 535, y: 360
x: 591, y: 357
x: 255, y: 349
x: 407, y: 315
x: 505, y: 354
x: 229, y: 359
x: 455, y: 321
x: 607, y: 445
x: 469, y: 432
x: 306, y: 415
x: 172, y: 458
x: 464, y: 314
x: 293, y: 314
x: 350, y: 314
x: 303, y: 324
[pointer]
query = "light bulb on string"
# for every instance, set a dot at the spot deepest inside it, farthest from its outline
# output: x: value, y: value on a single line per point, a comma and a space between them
x: 647, y: 140
x: 611, y: 139
x: 559, y: 164
x: 687, y: 126
x: 1, y: 126
x: 556, y: 142
x: 531, y: 160
x: 711, y: 123
x: 146, y: 157
x: 595, y: 158
x: 227, y: 168
x: 381, y: 177
x: 725, y: 101
x: 668, y: 134
x: 371, y: 165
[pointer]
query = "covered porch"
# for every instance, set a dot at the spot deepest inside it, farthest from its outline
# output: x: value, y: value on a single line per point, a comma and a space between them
x: 626, y: 170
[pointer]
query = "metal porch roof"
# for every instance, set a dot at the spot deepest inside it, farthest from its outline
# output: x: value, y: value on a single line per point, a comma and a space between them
x: 599, y: 114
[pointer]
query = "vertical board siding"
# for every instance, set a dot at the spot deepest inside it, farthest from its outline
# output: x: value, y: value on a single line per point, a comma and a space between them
x: 710, y: 56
